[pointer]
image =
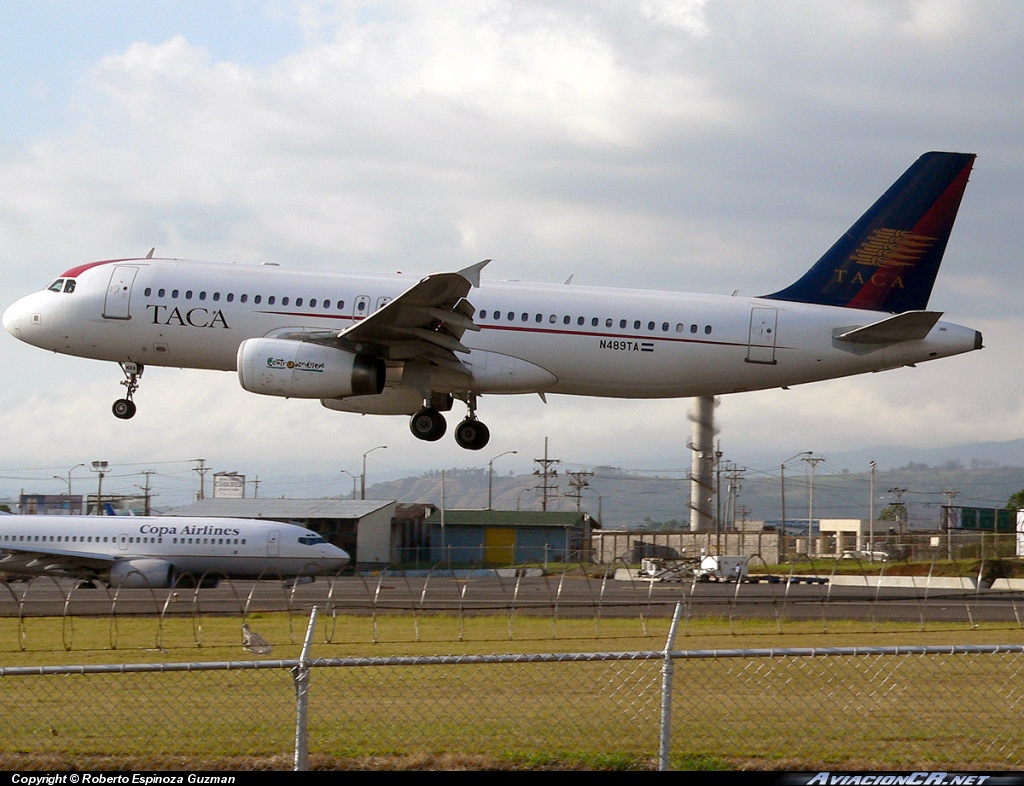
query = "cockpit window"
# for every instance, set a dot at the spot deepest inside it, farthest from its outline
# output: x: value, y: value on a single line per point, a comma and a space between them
x: 69, y: 286
x: 311, y: 540
x: 57, y: 285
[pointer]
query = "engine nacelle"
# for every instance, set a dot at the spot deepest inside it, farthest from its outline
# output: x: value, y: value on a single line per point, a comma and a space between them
x: 301, y: 369
x: 142, y: 573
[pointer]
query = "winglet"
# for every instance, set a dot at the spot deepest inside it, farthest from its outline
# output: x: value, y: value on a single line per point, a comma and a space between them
x: 472, y: 273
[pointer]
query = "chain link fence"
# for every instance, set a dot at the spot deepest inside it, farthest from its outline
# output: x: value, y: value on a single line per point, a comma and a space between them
x: 955, y: 707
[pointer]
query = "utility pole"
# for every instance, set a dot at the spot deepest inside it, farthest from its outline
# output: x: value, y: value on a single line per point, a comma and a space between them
x: 547, y: 474
x: 256, y: 488
x: 735, y: 476
x: 813, y: 462
x: 145, y: 491
x: 947, y: 519
x: 901, y: 510
x: 578, y: 483
x: 202, y: 469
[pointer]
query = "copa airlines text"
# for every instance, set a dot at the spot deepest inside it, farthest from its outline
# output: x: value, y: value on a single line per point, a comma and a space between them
x: 403, y: 345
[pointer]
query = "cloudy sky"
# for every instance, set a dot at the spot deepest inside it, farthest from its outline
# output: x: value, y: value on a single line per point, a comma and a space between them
x: 699, y: 145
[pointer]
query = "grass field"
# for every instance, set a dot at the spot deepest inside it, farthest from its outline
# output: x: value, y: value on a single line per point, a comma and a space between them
x: 889, y: 712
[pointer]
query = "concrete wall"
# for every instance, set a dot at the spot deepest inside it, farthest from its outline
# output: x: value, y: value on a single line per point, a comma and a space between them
x: 609, y: 546
x: 373, y: 536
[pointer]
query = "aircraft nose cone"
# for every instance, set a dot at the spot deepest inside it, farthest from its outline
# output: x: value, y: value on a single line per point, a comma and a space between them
x: 12, y: 319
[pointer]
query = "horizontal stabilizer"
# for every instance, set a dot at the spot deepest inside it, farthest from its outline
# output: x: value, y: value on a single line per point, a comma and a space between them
x: 908, y: 326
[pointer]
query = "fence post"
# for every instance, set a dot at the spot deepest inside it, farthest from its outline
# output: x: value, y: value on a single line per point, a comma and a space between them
x: 667, y: 668
x: 301, y: 677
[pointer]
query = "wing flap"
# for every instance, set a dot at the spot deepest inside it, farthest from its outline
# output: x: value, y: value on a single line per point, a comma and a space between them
x: 427, y: 321
x: 37, y: 561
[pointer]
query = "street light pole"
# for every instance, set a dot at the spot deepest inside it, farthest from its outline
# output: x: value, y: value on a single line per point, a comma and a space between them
x: 871, y: 516
x: 490, y: 475
x: 362, y: 494
x: 782, y: 477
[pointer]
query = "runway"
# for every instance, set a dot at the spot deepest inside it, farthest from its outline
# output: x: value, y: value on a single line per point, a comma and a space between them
x: 566, y: 596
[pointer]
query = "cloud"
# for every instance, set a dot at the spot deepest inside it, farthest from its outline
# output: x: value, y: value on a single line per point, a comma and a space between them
x: 704, y: 146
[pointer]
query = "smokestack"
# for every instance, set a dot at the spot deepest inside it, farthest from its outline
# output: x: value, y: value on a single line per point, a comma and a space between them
x: 702, y: 483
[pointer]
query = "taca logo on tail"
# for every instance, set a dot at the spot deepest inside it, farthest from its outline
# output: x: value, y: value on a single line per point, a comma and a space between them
x: 888, y: 260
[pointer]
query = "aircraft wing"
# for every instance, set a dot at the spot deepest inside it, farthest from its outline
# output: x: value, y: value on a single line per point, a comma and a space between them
x: 35, y: 561
x: 426, y: 322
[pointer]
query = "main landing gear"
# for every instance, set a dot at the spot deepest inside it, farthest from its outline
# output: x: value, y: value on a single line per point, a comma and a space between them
x: 429, y: 424
x: 124, y: 408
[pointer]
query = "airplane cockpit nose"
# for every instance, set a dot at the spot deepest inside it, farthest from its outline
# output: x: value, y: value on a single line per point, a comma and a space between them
x: 12, y: 318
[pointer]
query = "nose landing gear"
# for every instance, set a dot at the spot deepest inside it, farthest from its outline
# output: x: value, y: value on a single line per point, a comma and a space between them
x: 124, y: 408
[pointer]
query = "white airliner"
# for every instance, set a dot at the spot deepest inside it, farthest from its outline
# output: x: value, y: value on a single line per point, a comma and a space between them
x: 395, y: 344
x: 145, y: 551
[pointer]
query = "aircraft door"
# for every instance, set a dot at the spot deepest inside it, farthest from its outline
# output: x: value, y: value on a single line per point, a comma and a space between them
x: 117, y: 304
x: 761, y: 343
x: 274, y: 543
x: 122, y: 542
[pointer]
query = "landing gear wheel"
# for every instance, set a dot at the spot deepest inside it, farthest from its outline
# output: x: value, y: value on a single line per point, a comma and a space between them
x: 471, y: 434
x: 123, y: 409
x: 428, y: 424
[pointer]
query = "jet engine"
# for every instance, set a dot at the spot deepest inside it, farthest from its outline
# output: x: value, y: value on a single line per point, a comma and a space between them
x: 302, y: 369
x: 142, y: 573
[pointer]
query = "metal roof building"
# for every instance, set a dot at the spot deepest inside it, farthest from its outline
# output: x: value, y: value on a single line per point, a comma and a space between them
x: 361, y: 527
x: 503, y: 537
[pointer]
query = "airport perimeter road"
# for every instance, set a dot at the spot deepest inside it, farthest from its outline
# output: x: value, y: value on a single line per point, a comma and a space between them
x: 569, y: 597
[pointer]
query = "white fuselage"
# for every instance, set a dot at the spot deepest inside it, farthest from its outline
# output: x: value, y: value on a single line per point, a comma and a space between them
x: 235, y: 548
x: 589, y: 341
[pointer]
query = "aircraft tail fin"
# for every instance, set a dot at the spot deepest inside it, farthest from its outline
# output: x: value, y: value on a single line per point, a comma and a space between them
x: 888, y: 260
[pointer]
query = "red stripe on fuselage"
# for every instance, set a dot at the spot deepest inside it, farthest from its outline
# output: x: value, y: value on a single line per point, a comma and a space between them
x: 77, y: 271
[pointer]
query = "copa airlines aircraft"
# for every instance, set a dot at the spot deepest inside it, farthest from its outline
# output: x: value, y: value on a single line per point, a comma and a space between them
x: 145, y: 551
x: 394, y: 344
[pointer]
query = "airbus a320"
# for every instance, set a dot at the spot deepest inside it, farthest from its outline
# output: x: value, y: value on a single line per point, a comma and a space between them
x: 403, y: 345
